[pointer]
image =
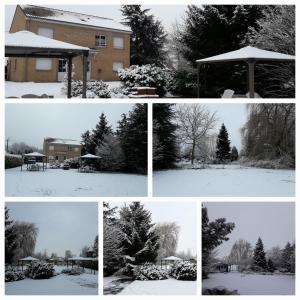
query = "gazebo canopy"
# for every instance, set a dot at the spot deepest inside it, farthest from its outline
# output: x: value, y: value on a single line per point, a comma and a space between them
x: 90, y: 156
x: 172, y: 258
x: 28, y: 258
x: 34, y: 154
x: 250, y: 55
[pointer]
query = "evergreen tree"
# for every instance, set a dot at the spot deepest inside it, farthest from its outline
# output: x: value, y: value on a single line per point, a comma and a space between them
x: 87, y: 143
x: 96, y: 247
x: 288, y: 258
x: 223, y: 145
x: 102, y: 129
x: 109, y: 214
x: 270, y: 264
x: 141, y: 243
x: 234, y: 154
x: 164, y: 138
x: 11, y: 241
x: 213, y: 235
x: 148, y: 36
x: 259, y: 257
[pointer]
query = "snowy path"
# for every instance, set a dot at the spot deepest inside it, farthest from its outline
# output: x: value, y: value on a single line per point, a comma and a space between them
x: 161, y: 287
x: 230, y: 181
x: 83, y: 284
x: 57, y: 182
x: 113, y: 285
x: 253, y: 284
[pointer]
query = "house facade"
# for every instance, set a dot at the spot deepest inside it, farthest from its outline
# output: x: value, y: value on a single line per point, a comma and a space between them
x: 57, y: 149
x: 108, y: 40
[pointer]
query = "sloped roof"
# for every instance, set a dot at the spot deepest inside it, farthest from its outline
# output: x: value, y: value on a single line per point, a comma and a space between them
x: 28, y: 258
x: 247, y: 53
x: 89, y: 156
x: 62, y: 141
x: 34, y: 154
x: 172, y: 258
x: 71, y: 18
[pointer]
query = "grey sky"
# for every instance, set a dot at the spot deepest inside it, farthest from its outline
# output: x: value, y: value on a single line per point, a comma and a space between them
x: 274, y: 222
x: 168, y: 14
x: 234, y: 116
x: 31, y: 123
x: 62, y: 226
x: 183, y: 213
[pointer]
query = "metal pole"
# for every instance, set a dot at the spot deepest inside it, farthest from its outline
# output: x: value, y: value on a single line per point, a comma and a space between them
x: 251, y: 64
x: 84, y: 74
x: 70, y: 77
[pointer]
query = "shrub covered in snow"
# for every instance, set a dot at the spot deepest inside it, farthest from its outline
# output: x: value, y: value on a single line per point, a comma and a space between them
x: 145, y: 76
x: 72, y: 271
x: 95, y: 89
x: 218, y: 291
x: 11, y: 275
x: 73, y: 162
x: 12, y: 161
x: 149, y: 271
x: 40, y: 270
x: 184, y: 270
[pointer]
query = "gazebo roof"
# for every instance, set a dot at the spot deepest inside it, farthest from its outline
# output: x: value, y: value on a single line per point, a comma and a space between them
x: 28, y: 258
x: 248, y: 53
x: 90, y: 156
x: 34, y: 154
x: 77, y: 258
x: 30, y: 44
x: 172, y: 258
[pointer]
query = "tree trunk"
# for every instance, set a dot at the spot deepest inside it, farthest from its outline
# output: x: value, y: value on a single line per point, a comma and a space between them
x: 193, y: 152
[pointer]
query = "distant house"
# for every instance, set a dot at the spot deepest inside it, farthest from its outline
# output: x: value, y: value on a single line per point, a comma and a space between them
x: 108, y: 40
x: 57, y: 149
x: 220, y: 267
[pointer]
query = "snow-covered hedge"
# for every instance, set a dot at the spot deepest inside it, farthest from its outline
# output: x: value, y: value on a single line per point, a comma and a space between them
x: 184, y: 271
x: 145, y: 76
x: 71, y: 271
x: 95, y: 89
x: 11, y: 275
x: 12, y: 161
x: 218, y: 291
x: 40, y: 270
x: 149, y: 272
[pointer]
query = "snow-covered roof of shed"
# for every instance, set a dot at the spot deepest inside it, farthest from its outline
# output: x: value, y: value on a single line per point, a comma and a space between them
x: 28, y: 39
x: 71, y: 18
x: 248, y: 53
x: 90, y: 156
x: 28, y: 258
x: 62, y: 141
x: 34, y: 154
x: 82, y: 258
x: 172, y: 258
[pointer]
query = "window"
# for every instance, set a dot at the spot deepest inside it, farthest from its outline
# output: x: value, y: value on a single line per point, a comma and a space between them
x: 118, y: 43
x: 51, y: 147
x: 100, y: 40
x: 46, y: 32
x: 117, y: 66
x: 44, y: 64
x: 76, y: 149
x: 70, y: 148
x: 62, y: 65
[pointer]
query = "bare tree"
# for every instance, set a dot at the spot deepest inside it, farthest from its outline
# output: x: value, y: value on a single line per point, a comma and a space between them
x: 240, y: 254
x: 195, y: 121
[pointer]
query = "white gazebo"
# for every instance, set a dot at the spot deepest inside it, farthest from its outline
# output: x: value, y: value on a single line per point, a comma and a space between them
x: 31, y: 160
x: 169, y: 260
x: 87, y: 158
x: 28, y: 44
x: 251, y: 56
x: 27, y: 259
x: 79, y: 259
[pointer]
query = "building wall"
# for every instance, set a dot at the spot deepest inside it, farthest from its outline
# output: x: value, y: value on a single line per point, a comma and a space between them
x: 61, y: 152
x: 101, y: 62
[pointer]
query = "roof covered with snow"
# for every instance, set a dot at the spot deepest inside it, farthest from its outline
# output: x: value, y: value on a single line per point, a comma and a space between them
x: 62, y: 141
x: 247, y: 53
x: 90, y: 156
x: 172, y: 258
x: 34, y: 154
x: 77, y: 258
x: 27, y: 39
x: 72, y: 18
x: 28, y: 258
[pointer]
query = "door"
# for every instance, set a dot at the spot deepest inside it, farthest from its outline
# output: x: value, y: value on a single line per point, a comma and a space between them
x: 62, y: 69
x: 88, y: 75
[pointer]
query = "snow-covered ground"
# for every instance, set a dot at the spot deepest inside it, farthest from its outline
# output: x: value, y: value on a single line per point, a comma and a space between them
x: 252, y: 284
x: 230, y: 180
x: 17, y: 89
x: 58, y: 182
x: 152, y: 287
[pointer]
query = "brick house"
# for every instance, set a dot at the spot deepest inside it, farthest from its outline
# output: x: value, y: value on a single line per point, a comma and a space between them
x: 108, y: 40
x: 56, y: 149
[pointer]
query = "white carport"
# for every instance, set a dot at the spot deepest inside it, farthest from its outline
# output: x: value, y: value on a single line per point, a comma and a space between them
x: 251, y: 56
x: 28, y: 44
x: 27, y: 259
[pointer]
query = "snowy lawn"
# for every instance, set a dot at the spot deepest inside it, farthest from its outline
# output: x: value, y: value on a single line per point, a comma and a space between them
x: 228, y: 181
x: 58, y: 182
x: 252, y: 284
x: 84, y: 284
x: 17, y: 89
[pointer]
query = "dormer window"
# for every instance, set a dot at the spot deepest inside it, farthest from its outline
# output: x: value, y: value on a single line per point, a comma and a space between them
x: 100, y: 40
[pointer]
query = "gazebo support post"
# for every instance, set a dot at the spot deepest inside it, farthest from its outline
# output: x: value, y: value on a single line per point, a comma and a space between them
x: 198, y: 80
x: 70, y: 77
x: 84, y: 75
x: 251, y: 65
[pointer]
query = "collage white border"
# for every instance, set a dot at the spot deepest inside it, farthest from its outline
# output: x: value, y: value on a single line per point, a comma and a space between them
x: 142, y: 199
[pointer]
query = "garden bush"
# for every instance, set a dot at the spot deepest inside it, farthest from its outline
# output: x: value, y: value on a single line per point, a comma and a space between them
x: 40, y: 270
x: 11, y: 275
x: 149, y: 272
x: 184, y: 271
x: 146, y: 76
x: 72, y: 271
x: 12, y: 161
x: 95, y: 89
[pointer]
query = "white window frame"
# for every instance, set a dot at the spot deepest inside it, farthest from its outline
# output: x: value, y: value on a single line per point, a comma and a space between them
x: 117, y: 62
x: 118, y: 38
x: 40, y: 66
x: 46, y: 32
x: 51, y: 147
x: 99, y: 44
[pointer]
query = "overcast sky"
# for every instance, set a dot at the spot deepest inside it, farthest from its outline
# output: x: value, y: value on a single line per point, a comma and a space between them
x: 234, y: 116
x: 183, y: 213
x: 274, y: 222
x: 168, y: 14
x: 62, y: 226
x: 31, y: 123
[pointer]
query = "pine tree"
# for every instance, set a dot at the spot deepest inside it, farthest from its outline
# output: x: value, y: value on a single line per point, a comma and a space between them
x: 270, y: 264
x: 259, y: 257
x: 11, y: 239
x: 288, y: 258
x: 164, y: 138
x: 141, y: 243
x: 234, y: 154
x: 148, y: 36
x: 87, y: 142
x: 223, y: 145
x: 102, y: 129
